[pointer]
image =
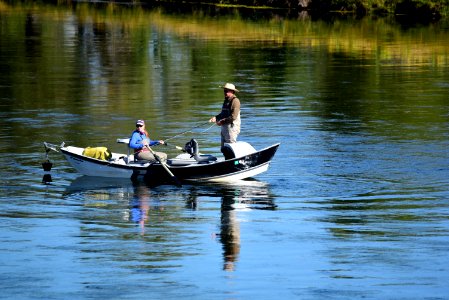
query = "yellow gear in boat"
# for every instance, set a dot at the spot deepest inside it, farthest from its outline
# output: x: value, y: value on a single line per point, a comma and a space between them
x: 101, y: 153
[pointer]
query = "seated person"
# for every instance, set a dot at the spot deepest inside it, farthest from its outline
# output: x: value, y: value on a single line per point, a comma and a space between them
x: 140, y: 141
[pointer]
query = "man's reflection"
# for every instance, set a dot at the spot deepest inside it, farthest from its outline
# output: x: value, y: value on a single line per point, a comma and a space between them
x: 230, y: 231
x: 235, y: 198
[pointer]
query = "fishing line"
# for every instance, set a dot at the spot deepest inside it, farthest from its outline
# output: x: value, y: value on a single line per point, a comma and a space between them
x: 190, y: 130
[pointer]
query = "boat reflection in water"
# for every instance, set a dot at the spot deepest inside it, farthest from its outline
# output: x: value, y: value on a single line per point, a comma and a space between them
x: 139, y: 203
x: 131, y: 199
x: 85, y: 184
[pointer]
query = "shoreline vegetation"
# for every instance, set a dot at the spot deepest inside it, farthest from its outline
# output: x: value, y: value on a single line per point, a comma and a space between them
x: 405, y: 11
x: 419, y: 11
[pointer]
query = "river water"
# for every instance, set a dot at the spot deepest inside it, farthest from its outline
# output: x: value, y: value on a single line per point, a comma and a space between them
x: 354, y: 205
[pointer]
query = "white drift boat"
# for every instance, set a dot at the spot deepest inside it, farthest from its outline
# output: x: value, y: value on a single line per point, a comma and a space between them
x: 242, y: 161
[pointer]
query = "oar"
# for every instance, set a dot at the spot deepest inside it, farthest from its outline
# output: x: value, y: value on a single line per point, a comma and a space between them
x: 173, y: 177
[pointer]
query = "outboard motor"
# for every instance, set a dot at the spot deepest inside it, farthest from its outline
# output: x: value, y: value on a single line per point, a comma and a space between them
x: 227, y: 151
x: 192, y: 148
x: 237, y: 149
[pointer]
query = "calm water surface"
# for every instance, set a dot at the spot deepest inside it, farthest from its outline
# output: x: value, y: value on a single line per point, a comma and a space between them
x: 355, y: 204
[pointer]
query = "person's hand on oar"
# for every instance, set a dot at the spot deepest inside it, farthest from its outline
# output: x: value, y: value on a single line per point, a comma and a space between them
x: 173, y: 177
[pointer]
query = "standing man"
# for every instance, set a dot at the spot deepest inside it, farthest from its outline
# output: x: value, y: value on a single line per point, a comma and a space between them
x: 229, y: 118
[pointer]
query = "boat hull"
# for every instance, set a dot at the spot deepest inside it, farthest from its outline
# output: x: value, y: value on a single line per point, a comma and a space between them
x: 218, y: 171
x: 94, y: 167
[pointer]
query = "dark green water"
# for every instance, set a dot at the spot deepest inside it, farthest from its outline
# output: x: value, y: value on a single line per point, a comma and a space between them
x: 354, y: 205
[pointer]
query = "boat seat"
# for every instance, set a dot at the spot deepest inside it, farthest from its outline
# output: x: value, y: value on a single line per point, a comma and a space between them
x: 205, y: 158
x: 192, y: 148
x: 130, y: 158
x: 181, y: 160
x: 126, y: 141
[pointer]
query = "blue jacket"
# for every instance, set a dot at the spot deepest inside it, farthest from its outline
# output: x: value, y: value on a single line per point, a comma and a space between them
x: 137, y: 138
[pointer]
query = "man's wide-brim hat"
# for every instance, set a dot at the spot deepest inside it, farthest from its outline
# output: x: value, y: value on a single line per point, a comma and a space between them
x: 230, y: 86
